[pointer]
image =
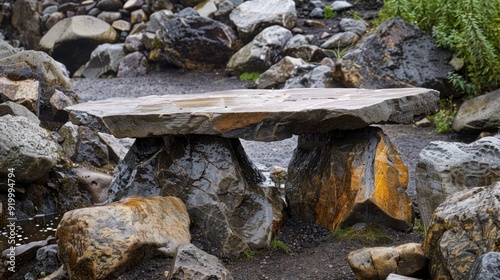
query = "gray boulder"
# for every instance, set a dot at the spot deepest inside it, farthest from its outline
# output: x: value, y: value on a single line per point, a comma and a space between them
x: 353, y: 25
x: 310, y: 76
x: 479, y: 114
x: 26, y: 22
x: 46, y: 260
x: 279, y: 73
x: 196, y: 42
x: 251, y: 17
x: 72, y: 40
x: 262, y: 52
x: 27, y: 148
x: 339, y: 6
x: 445, y: 168
x: 341, y: 40
x: 104, y: 59
x: 299, y: 46
x: 133, y: 65
x: 396, y: 54
x: 486, y: 266
x: 463, y: 227
x: 193, y: 263
x: 14, y: 109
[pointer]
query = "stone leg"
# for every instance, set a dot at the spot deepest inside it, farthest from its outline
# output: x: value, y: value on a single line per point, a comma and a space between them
x: 216, y: 181
x: 343, y: 177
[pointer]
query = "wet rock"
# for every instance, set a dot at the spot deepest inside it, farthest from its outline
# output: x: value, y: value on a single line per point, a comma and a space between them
x: 102, y: 242
x: 298, y: 46
x: 379, y: 262
x: 158, y: 18
x: 14, y: 109
x: 26, y: 21
x: 109, y: 5
x: 72, y: 40
x: 309, y: 76
x: 367, y: 183
x: 341, y: 40
x: 46, y: 260
x: 117, y: 147
x: 89, y: 148
x: 27, y: 148
x: 445, y: 168
x: 279, y: 73
x: 479, y: 114
x: 261, y: 53
x: 103, y: 60
x: 96, y: 183
x: 486, y: 267
x: 396, y: 54
x: 214, y: 178
x: 251, y: 17
x: 193, y: 263
x: 463, y: 227
x: 263, y: 112
x: 196, y: 42
x: 133, y: 65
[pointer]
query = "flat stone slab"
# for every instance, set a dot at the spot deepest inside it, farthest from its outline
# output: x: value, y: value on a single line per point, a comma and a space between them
x: 260, y: 115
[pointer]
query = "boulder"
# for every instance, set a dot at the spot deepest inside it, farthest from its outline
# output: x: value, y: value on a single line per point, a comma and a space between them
x: 310, y: 76
x: 353, y: 25
x: 214, y: 178
x: 463, y: 227
x: 341, y: 40
x: 102, y: 242
x: 197, y: 42
x: 379, y: 262
x: 14, y: 109
x: 6, y: 49
x: 279, y: 73
x: 26, y: 22
x: 94, y: 182
x: 367, y: 183
x: 133, y: 65
x: 251, y: 17
x: 445, y: 168
x: 72, y: 40
x: 299, y: 46
x: 27, y: 148
x: 117, y: 147
x: 103, y: 60
x: 58, y: 101
x: 486, y: 266
x: 339, y: 6
x: 255, y: 114
x: 69, y: 133
x: 261, y: 53
x: 192, y: 263
x: 396, y: 54
x: 479, y: 114
x: 23, y: 92
x: 46, y: 260
x: 89, y: 148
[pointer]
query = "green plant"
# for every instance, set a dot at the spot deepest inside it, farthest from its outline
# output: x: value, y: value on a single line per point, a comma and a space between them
x: 248, y: 254
x: 252, y: 76
x: 461, y: 85
x: 372, y: 233
x: 339, y: 52
x: 277, y: 245
x: 418, y: 226
x: 469, y: 28
x: 328, y: 12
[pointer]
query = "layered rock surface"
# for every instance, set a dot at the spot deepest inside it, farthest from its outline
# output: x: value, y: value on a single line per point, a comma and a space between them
x: 261, y: 115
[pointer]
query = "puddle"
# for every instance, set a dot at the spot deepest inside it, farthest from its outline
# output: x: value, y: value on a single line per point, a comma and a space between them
x: 34, y: 229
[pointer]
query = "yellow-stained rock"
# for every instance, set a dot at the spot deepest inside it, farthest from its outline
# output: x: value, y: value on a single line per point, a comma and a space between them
x: 379, y: 262
x: 102, y: 242
x: 348, y: 177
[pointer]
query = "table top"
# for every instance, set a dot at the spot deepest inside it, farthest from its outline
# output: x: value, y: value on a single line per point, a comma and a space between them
x: 260, y: 115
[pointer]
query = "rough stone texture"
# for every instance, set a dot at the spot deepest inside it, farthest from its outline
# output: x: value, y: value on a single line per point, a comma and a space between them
x: 463, y: 227
x: 89, y: 148
x: 486, y: 266
x: 298, y: 46
x: 379, y: 262
x: 396, y: 54
x: 279, y: 73
x: 26, y: 22
x: 58, y: 101
x: 196, y: 42
x: 72, y: 40
x: 117, y: 147
x: 445, y: 168
x: 340, y: 5
x: 14, y: 109
x: 264, y: 115
x: 251, y: 17
x: 341, y: 40
x: 27, y: 148
x: 192, y: 263
x: 215, y: 179
x: 353, y: 25
x: 102, y: 242
x: 6, y: 49
x: 367, y: 183
x: 479, y: 114
x: 23, y: 92
x: 105, y: 58
x: 46, y: 260
x: 69, y: 133
x: 94, y: 182
x: 261, y: 53
x: 310, y: 76
x: 133, y: 65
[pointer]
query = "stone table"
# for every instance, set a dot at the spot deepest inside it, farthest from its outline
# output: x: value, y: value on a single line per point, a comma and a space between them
x: 342, y: 172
